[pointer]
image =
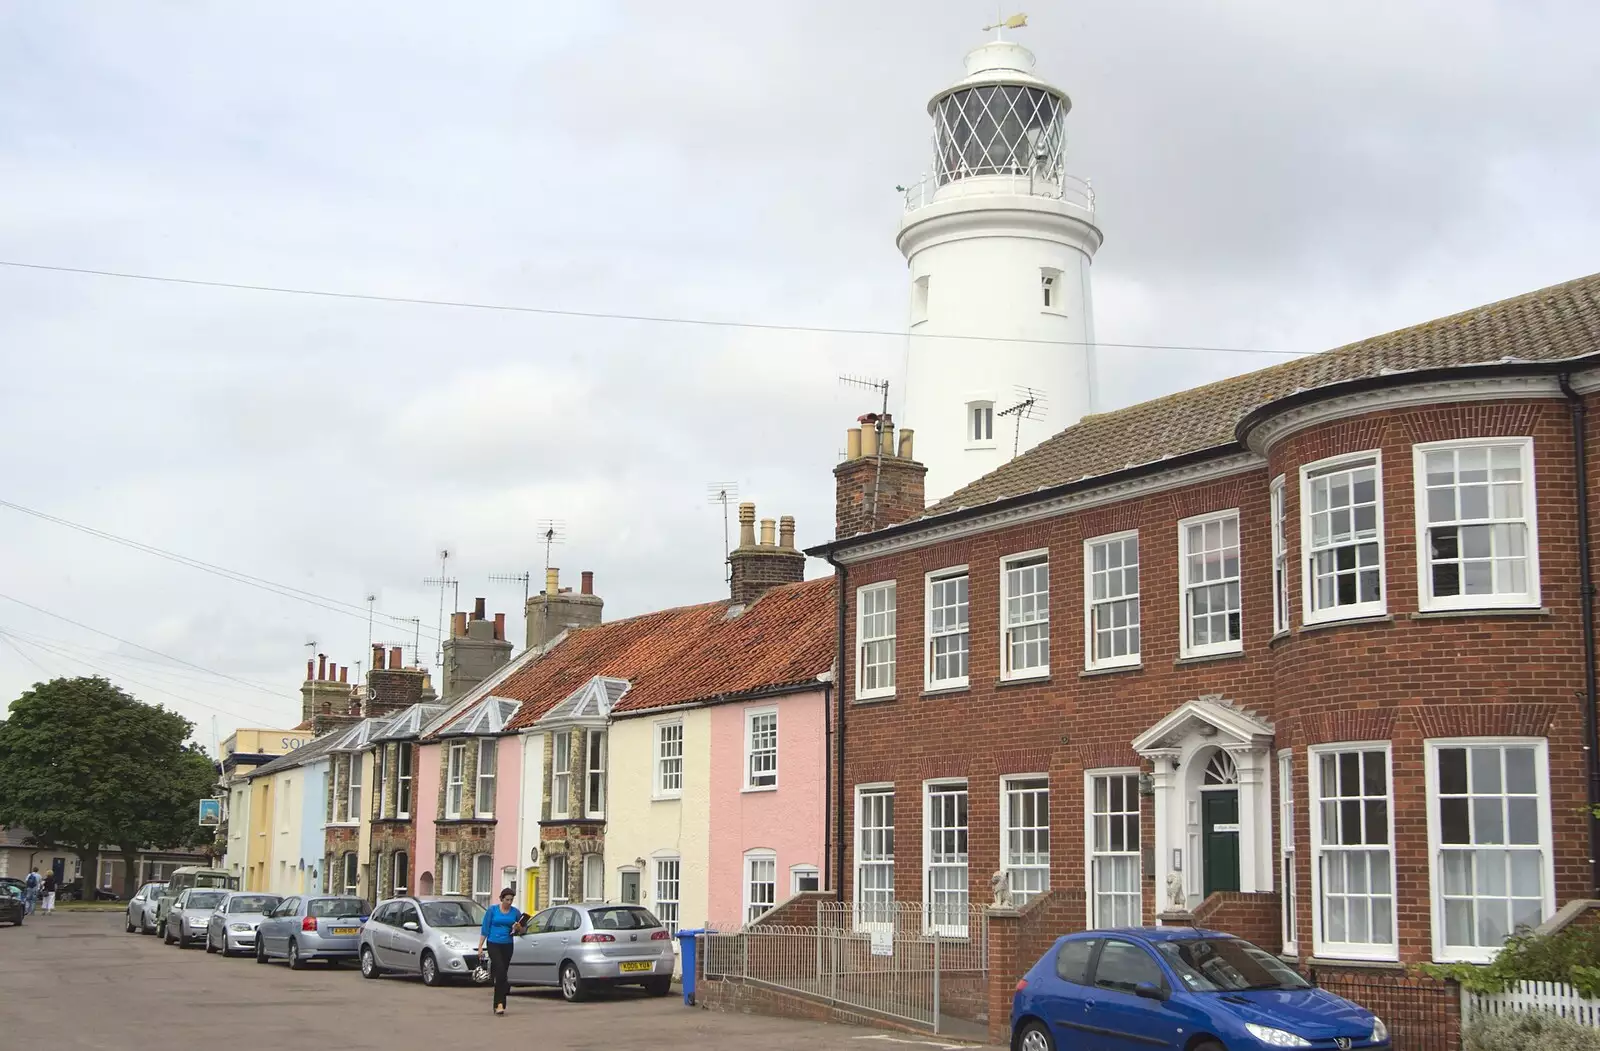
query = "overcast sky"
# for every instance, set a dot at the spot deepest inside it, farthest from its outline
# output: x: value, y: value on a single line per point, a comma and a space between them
x: 1270, y: 175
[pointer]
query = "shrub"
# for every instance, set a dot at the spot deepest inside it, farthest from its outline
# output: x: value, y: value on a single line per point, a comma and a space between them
x: 1529, y: 1031
x: 1570, y: 955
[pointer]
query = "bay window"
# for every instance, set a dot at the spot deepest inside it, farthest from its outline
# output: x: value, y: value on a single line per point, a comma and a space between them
x: 559, y: 893
x: 483, y: 803
x: 455, y: 779
x: 1341, y: 505
x: 595, y: 798
x: 1280, y: 559
x: 1352, y: 852
x: 1286, y: 873
x: 561, y: 774
x: 1476, y: 529
x: 403, y: 764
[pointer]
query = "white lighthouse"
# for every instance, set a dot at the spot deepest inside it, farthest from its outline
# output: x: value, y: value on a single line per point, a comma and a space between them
x: 998, y: 239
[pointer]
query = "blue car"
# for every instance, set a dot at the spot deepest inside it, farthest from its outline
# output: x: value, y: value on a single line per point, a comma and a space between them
x: 1180, y: 988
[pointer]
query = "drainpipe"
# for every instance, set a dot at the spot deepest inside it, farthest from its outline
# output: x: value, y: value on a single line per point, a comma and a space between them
x: 842, y: 575
x: 827, y: 770
x: 1580, y: 456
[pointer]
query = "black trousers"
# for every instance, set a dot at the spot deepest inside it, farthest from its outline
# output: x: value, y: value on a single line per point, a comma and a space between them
x: 500, y: 968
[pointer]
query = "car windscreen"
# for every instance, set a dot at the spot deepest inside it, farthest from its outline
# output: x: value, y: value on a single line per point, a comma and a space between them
x: 261, y: 903
x: 215, y: 879
x: 205, y: 899
x: 452, y: 913
x: 11, y: 889
x: 1210, y: 965
x: 622, y: 918
x: 335, y: 908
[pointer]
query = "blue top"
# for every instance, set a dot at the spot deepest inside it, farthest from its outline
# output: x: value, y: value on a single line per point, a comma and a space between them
x: 497, y: 924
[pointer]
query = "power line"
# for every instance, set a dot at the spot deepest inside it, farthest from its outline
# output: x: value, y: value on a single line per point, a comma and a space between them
x: 603, y: 315
x: 328, y: 603
x: 144, y: 665
x: 18, y: 651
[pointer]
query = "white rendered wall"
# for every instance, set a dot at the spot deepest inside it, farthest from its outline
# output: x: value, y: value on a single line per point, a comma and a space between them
x: 984, y: 256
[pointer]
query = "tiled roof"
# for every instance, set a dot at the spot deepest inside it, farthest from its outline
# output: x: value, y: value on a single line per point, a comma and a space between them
x: 687, y: 654
x: 1562, y: 321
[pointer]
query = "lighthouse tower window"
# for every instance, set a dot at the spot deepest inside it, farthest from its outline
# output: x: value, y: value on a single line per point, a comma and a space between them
x: 980, y: 416
x: 1050, y: 288
x: 919, y: 300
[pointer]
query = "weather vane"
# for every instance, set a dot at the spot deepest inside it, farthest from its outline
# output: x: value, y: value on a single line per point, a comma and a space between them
x: 1006, y: 22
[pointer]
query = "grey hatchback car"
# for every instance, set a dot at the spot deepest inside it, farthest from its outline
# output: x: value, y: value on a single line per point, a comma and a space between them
x: 233, y: 925
x: 141, y: 914
x: 312, y: 927
x: 579, y: 947
x: 434, y: 937
x: 190, y: 913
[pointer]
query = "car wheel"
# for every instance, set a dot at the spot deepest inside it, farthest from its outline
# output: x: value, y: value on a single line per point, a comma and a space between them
x: 1033, y: 1036
x: 659, y: 986
x: 166, y: 936
x: 210, y: 947
x: 129, y: 922
x: 573, y: 987
x: 295, y: 963
x: 430, y: 970
x: 369, y: 963
x: 261, y: 949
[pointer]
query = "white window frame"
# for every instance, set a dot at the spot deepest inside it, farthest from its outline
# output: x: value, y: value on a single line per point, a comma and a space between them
x: 1007, y: 564
x: 560, y: 775
x: 978, y: 425
x: 1186, y: 647
x: 1443, y: 953
x: 450, y: 873
x: 919, y: 299
x: 668, y: 732
x: 1012, y: 787
x: 594, y: 872
x: 932, y: 910
x: 863, y: 640
x: 380, y: 762
x: 668, y: 877
x: 400, y: 862
x: 352, y: 874
x: 753, y: 758
x: 1051, y: 286
x: 559, y: 894
x: 594, y: 773
x: 1310, y: 613
x: 799, y: 872
x: 1090, y: 603
x: 768, y: 860
x: 1531, y: 599
x: 489, y: 746
x: 455, y: 779
x: 878, y: 910
x: 962, y: 631
x: 1091, y: 854
x: 1279, y: 501
x: 1320, y: 946
x: 405, y: 761
x: 353, y: 789
x: 483, y: 889
x: 1289, y: 900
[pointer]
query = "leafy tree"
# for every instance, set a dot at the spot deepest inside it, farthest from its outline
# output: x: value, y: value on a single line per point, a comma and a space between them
x: 85, y: 765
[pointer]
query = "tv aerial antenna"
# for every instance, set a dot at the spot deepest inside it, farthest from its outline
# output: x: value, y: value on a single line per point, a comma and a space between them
x: 372, y: 601
x: 882, y: 387
x: 724, y: 493
x: 552, y: 531
x: 1030, y: 405
x: 525, y: 578
x: 442, y: 581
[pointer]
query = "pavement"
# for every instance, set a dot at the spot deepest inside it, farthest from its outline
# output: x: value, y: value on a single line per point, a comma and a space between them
x: 76, y: 981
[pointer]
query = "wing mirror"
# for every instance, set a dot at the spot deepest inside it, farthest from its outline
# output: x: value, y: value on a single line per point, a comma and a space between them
x: 410, y: 925
x: 1149, y: 991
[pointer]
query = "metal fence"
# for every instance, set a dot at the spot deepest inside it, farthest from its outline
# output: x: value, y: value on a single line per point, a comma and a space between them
x: 1423, y: 1014
x: 889, y: 961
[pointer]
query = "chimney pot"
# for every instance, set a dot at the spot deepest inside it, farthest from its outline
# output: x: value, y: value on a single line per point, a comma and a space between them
x: 747, y: 525
x: 499, y: 626
x: 852, y: 443
x: 477, y: 610
x: 333, y: 672
x: 377, y: 656
x: 552, y: 581
x: 888, y: 435
x: 786, y: 532
x: 322, y: 667
x: 905, y: 444
x: 767, y: 528
x: 588, y: 582
x: 311, y: 669
x: 396, y: 658
x: 458, y: 625
x: 344, y: 674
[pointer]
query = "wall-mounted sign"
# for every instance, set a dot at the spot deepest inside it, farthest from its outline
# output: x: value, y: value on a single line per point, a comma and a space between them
x: 210, y: 813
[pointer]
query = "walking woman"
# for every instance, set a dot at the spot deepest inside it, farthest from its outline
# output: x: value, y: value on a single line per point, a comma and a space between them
x: 500, y: 924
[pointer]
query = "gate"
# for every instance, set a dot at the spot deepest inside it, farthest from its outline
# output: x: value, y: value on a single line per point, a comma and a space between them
x: 904, y: 961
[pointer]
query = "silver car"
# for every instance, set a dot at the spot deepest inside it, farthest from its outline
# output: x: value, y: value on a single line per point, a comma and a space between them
x: 233, y: 926
x: 312, y: 927
x: 141, y: 915
x: 434, y: 937
x: 579, y: 947
x: 190, y: 913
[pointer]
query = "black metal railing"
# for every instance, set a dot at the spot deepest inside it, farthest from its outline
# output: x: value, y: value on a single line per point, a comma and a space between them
x: 1423, y: 1014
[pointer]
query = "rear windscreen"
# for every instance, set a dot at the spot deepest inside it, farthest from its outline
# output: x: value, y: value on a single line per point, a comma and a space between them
x: 205, y: 901
x: 335, y: 908
x: 252, y: 903
x: 622, y: 918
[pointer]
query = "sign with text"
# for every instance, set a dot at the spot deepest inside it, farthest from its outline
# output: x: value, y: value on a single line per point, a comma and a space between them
x: 210, y: 813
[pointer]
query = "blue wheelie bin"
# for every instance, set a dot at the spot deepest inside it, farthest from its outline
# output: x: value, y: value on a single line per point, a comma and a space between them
x: 687, y: 940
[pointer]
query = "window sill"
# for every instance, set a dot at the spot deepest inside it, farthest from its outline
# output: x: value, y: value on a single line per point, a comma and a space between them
x: 1278, y: 636
x: 981, y: 447
x: 1023, y: 680
x: 1359, y: 964
x: 1208, y: 658
x: 1115, y: 669
x: 1346, y: 622
x: 674, y: 797
x: 758, y: 788
x: 465, y: 821
x: 945, y: 691
x: 876, y: 698
x: 1487, y: 611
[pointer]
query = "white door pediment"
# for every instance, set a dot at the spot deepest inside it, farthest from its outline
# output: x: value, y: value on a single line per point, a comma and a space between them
x: 1208, y: 717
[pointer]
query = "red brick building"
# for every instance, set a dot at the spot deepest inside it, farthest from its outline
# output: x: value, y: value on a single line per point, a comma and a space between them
x: 1309, y: 643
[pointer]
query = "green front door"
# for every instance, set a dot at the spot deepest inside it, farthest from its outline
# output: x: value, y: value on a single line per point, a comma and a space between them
x: 1219, y: 836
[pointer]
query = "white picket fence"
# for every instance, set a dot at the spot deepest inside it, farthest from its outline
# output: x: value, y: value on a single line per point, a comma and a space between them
x: 1552, y: 997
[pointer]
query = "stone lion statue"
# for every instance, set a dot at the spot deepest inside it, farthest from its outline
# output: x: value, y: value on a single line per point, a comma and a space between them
x: 1002, y: 890
x: 1175, y: 895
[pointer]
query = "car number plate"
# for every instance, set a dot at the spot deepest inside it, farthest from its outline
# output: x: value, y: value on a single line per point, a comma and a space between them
x: 347, y: 930
x: 640, y: 965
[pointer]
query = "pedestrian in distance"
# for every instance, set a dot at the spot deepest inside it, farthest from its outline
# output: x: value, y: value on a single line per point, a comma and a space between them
x: 30, y: 891
x: 48, y: 900
x: 501, y: 923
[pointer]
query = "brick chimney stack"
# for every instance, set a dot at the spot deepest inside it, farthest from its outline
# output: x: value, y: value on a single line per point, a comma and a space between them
x: 875, y: 491
x: 759, y: 566
x: 555, y: 609
x: 476, y: 649
x: 325, y: 696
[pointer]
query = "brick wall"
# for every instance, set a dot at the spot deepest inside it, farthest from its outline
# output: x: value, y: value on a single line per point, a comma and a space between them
x: 1254, y: 917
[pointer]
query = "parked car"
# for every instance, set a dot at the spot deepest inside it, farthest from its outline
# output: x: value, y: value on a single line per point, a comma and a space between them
x: 72, y: 890
x: 190, y: 915
x: 579, y: 947
x: 1178, y: 987
x: 11, y: 910
x: 141, y: 912
x: 312, y: 927
x: 191, y: 876
x: 233, y: 925
x: 434, y: 937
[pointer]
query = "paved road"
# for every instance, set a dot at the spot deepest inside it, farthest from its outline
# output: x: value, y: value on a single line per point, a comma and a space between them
x: 76, y: 981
